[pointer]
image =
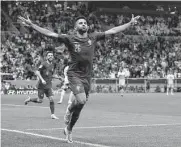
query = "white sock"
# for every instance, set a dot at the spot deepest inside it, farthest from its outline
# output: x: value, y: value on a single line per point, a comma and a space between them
x: 62, y: 95
x: 71, y: 96
x: 171, y: 91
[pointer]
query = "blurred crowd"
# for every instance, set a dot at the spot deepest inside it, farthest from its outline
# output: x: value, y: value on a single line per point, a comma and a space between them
x: 143, y: 56
x: 165, y: 25
x: 148, y: 49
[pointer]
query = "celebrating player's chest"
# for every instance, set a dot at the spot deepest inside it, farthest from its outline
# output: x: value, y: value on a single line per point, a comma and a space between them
x: 82, y: 46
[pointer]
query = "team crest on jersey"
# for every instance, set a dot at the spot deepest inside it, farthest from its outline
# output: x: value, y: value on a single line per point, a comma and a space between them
x: 90, y: 42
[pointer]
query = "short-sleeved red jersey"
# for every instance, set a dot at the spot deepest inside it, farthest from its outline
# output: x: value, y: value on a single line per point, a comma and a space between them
x: 81, y: 53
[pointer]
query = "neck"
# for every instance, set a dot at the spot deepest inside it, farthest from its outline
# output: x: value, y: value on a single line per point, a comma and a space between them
x: 82, y: 35
x: 49, y: 62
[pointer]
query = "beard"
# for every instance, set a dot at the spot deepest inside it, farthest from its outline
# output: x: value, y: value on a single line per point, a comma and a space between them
x: 50, y: 60
x: 82, y: 31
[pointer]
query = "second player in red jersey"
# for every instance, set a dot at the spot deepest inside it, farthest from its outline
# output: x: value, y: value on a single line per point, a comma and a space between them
x: 45, y: 71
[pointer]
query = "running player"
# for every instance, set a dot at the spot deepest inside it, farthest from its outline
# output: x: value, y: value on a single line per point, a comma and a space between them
x: 45, y: 74
x: 170, y: 81
x: 65, y: 86
x: 81, y: 46
x: 121, y: 76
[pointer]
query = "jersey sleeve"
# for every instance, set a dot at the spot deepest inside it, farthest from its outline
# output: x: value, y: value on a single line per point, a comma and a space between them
x: 63, y: 38
x: 99, y: 36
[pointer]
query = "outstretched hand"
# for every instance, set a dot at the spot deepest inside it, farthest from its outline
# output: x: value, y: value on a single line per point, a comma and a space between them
x: 26, y: 22
x: 134, y: 20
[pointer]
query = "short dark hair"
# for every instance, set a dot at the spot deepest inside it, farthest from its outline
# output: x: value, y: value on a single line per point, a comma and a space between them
x: 80, y: 17
x: 49, y: 52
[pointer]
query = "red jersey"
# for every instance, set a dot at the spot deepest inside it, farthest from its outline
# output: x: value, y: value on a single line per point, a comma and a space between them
x: 81, y: 53
x: 46, y: 70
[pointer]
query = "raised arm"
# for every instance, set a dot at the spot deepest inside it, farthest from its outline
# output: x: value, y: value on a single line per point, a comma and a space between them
x: 122, y: 27
x: 44, y: 31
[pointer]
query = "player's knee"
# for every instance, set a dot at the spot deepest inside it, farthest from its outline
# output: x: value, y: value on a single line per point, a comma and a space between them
x: 51, y: 99
x: 82, y: 101
x: 81, y: 98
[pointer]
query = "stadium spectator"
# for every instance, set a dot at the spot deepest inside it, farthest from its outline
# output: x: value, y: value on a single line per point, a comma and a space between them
x: 154, y: 41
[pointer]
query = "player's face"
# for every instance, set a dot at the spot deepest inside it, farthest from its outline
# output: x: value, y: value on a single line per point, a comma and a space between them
x: 81, y: 25
x: 50, y: 57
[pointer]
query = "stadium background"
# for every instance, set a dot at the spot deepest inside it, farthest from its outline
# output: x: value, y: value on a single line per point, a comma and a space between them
x: 108, y: 120
x: 146, y: 50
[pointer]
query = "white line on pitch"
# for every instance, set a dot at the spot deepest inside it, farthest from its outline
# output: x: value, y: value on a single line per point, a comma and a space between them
x: 5, y: 109
x: 123, y: 126
x: 22, y: 106
x: 51, y: 137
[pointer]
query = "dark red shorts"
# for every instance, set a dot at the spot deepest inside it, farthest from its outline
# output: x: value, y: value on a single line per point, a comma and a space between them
x: 48, y: 92
x: 44, y: 89
x: 79, y: 85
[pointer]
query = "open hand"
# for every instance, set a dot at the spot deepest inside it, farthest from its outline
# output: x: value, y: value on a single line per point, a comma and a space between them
x: 134, y: 20
x: 26, y: 22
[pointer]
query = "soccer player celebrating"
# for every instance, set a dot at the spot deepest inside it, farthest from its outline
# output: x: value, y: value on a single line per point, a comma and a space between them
x: 81, y: 46
x: 45, y: 74
x: 121, y: 76
x: 170, y: 81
